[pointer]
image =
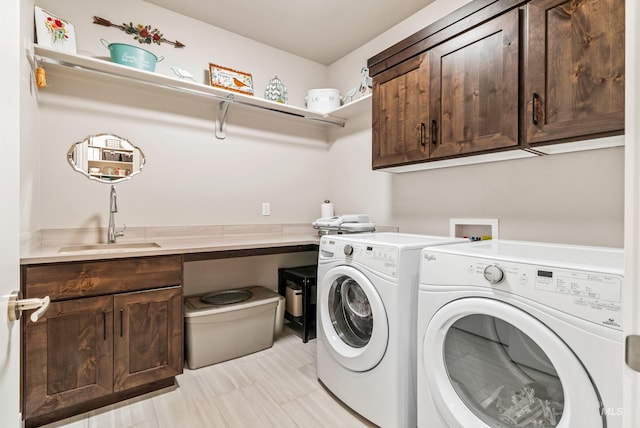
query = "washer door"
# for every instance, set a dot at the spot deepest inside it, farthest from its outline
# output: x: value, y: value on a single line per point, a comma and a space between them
x: 352, y: 318
x: 476, y: 382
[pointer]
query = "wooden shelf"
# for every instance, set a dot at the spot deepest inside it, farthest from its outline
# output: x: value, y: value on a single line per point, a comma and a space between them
x: 109, y: 70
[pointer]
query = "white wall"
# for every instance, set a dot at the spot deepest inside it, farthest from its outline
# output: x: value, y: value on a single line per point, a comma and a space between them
x: 191, y: 177
x: 11, y: 88
x: 29, y: 143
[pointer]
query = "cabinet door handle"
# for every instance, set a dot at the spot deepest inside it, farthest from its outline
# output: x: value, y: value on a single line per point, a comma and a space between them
x: 121, y: 322
x: 434, y: 132
x: 104, y: 324
x: 534, y: 118
x: 422, y: 129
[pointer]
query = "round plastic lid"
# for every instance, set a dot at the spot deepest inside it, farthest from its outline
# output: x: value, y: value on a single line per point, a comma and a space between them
x: 226, y: 297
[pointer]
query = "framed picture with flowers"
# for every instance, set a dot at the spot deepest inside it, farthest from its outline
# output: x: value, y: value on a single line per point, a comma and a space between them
x: 230, y: 79
x: 54, y: 32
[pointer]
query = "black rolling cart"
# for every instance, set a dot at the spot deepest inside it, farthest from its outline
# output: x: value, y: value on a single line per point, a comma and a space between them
x: 298, y: 285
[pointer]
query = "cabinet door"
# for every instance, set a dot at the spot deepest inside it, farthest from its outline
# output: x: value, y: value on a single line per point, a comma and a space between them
x: 474, y: 89
x: 148, y: 340
x: 68, y: 356
x: 400, y: 113
x: 574, y: 69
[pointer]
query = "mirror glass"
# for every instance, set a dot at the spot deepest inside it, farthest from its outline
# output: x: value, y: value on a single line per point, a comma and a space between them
x: 106, y: 158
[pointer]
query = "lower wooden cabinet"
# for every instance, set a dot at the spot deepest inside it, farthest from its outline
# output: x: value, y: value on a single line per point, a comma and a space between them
x: 69, y: 355
x: 86, y: 352
x: 148, y: 337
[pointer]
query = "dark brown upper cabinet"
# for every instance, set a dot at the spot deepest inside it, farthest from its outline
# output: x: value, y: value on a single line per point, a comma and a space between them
x: 474, y: 89
x: 574, y: 69
x: 500, y: 75
x: 401, y: 113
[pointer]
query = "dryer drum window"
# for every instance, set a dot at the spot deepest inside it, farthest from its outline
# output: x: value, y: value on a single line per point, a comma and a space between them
x: 501, y: 374
x: 350, y: 312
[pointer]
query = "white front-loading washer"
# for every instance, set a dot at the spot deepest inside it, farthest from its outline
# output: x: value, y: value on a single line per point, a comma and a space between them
x: 366, y: 306
x: 520, y: 334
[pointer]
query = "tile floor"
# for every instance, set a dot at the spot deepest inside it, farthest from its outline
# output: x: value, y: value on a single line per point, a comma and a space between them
x: 274, y: 388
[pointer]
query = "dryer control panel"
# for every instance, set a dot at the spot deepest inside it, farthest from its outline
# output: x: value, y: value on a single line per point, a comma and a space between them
x: 590, y: 295
x: 593, y: 296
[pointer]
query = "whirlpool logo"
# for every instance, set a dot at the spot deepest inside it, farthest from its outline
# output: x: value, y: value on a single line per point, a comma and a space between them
x: 611, y: 322
x: 429, y: 257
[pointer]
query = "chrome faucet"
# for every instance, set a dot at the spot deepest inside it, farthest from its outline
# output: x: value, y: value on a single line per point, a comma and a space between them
x: 112, y: 233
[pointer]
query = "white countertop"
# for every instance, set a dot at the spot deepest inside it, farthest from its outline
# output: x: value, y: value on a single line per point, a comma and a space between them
x: 45, y: 246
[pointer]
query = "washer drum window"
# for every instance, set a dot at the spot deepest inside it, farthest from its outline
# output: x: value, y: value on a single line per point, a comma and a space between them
x: 350, y: 312
x: 352, y: 318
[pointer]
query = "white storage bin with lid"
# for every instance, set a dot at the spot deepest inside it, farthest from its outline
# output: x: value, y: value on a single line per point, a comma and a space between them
x: 322, y: 100
x: 231, y: 323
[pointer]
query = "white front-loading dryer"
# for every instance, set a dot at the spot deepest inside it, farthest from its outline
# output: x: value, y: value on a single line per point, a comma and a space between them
x: 520, y: 334
x: 367, y: 289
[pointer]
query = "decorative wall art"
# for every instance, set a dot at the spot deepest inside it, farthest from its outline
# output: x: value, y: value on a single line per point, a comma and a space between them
x: 230, y: 79
x: 54, y: 32
x: 142, y: 33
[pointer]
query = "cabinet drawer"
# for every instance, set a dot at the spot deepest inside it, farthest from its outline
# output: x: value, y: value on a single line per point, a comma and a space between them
x: 80, y: 279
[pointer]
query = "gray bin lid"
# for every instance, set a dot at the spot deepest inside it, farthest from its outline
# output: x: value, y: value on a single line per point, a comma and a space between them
x: 193, y: 306
x: 226, y: 297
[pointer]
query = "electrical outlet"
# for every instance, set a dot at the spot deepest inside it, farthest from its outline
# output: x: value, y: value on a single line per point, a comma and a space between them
x: 266, y: 208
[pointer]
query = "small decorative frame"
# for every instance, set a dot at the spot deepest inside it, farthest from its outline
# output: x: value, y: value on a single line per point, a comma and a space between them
x: 231, y: 80
x: 54, y: 32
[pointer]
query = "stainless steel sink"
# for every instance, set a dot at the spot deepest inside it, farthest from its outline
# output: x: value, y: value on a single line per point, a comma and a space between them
x: 106, y: 248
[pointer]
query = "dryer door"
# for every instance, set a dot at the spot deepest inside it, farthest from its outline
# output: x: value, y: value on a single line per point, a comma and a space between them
x: 473, y: 357
x: 352, y: 318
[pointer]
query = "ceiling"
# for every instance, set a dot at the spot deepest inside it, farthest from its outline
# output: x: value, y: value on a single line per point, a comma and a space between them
x: 321, y: 30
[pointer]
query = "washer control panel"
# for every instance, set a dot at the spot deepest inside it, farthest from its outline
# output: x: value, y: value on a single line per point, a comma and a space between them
x: 381, y: 258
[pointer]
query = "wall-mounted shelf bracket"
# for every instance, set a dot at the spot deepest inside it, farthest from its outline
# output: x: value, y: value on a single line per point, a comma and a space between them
x: 221, y: 134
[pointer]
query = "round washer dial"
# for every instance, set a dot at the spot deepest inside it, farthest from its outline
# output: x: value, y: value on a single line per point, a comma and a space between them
x: 494, y: 274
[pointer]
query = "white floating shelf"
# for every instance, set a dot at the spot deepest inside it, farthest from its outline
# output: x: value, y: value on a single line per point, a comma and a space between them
x: 54, y: 58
